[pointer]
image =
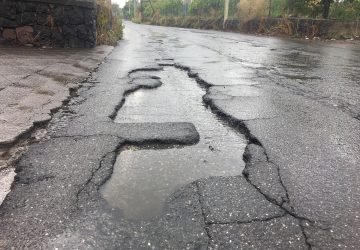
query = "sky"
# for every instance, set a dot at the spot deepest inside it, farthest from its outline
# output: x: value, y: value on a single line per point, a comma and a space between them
x: 121, y: 3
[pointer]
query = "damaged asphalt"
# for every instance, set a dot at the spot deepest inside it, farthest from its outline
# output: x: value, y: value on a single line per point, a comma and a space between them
x: 299, y: 188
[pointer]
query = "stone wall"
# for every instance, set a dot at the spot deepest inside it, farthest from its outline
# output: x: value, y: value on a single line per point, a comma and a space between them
x: 59, y: 23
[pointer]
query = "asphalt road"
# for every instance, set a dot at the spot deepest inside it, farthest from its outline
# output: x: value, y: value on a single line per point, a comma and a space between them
x: 295, y: 105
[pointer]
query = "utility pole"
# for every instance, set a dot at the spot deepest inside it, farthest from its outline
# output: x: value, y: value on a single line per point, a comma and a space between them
x: 141, y: 11
x: 226, y: 12
x: 130, y: 8
x: 270, y: 5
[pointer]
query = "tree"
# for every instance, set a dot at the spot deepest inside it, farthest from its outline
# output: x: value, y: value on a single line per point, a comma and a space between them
x: 326, y: 8
x: 128, y: 10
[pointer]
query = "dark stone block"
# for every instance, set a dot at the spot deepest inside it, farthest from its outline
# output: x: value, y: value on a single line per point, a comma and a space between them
x: 58, y: 39
x: 43, y: 35
x: 69, y: 31
x: 74, y: 15
x: 76, y: 43
x: 86, y: 33
x: 91, y: 36
x: 7, y: 23
x: 42, y: 19
x: 90, y: 44
x: 26, y: 18
x: 42, y: 8
x: 54, y: 22
x: 9, y: 34
x: 25, y: 7
x: 8, y: 10
x: 82, y: 31
x: 58, y: 14
x: 89, y: 17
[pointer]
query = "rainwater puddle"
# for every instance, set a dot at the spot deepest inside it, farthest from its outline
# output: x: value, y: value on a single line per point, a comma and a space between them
x: 144, y: 177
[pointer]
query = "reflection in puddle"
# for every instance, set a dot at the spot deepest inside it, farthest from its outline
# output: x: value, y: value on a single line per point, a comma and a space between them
x: 144, y: 177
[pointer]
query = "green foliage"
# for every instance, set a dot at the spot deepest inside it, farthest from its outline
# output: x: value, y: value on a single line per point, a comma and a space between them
x: 128, y: 10
x: 278, y: 8
x: 212, y: 8
x: 243, y: 9
x: 304, y: 8
x: 207, y: 7
x: 108, y: 23
x: 347, y: 10
x: 169, y: 7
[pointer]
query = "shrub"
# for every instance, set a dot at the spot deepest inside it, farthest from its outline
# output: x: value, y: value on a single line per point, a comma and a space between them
x: 108, y: 23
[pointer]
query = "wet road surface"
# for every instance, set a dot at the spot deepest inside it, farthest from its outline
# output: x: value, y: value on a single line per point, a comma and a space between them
x: 296, y: 103
x: 145, y: 176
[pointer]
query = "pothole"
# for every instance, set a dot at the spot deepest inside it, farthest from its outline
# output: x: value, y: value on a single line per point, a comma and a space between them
x: 144, y: 177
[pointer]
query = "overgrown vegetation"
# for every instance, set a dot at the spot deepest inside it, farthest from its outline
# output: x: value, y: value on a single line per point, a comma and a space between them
x: 297, y: 18
x: 244, y: 9
x: 108, y: 23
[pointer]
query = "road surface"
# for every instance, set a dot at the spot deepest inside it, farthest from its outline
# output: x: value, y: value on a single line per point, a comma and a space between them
x: 191, y: 139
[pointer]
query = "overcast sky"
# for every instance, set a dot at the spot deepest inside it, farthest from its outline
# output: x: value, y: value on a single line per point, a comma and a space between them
x: 121, y: 3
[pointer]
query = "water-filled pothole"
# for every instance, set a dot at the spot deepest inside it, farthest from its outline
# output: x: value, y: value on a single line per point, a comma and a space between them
x: 144, y: 177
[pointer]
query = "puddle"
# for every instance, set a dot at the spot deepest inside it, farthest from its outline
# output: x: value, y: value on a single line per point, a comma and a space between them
x: 144, y: 177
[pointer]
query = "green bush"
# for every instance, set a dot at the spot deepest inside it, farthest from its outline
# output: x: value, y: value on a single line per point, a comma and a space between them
x: 153, y: 11
x: 347, y: 10
x: 108, y: 23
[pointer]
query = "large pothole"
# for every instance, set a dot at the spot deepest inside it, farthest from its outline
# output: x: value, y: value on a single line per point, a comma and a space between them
x: 145, y: 176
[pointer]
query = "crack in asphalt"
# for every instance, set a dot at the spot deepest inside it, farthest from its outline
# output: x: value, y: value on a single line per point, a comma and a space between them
x: 151, y: 68
x: 236, y: 124
x: 232, y: 122
x: 37, y: 125
x: 240, y: 126
x: 307, y: 242
x: 203, y: 213
x: 134, y: 88
x: 121, y: 103
x: 311, y: 95
x: 283, y: 186
x: 122, y: 144
x: 246, y: 221
x: 7, y: 79
x: 93, y: 172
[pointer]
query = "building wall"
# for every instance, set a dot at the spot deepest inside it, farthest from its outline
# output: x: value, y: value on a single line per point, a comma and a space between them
x: 60, y: 23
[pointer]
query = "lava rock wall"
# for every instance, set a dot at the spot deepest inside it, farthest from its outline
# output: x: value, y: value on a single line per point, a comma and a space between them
x: 56, y: 23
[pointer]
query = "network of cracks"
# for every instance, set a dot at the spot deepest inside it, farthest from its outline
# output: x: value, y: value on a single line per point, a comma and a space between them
x: 226, y: 155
